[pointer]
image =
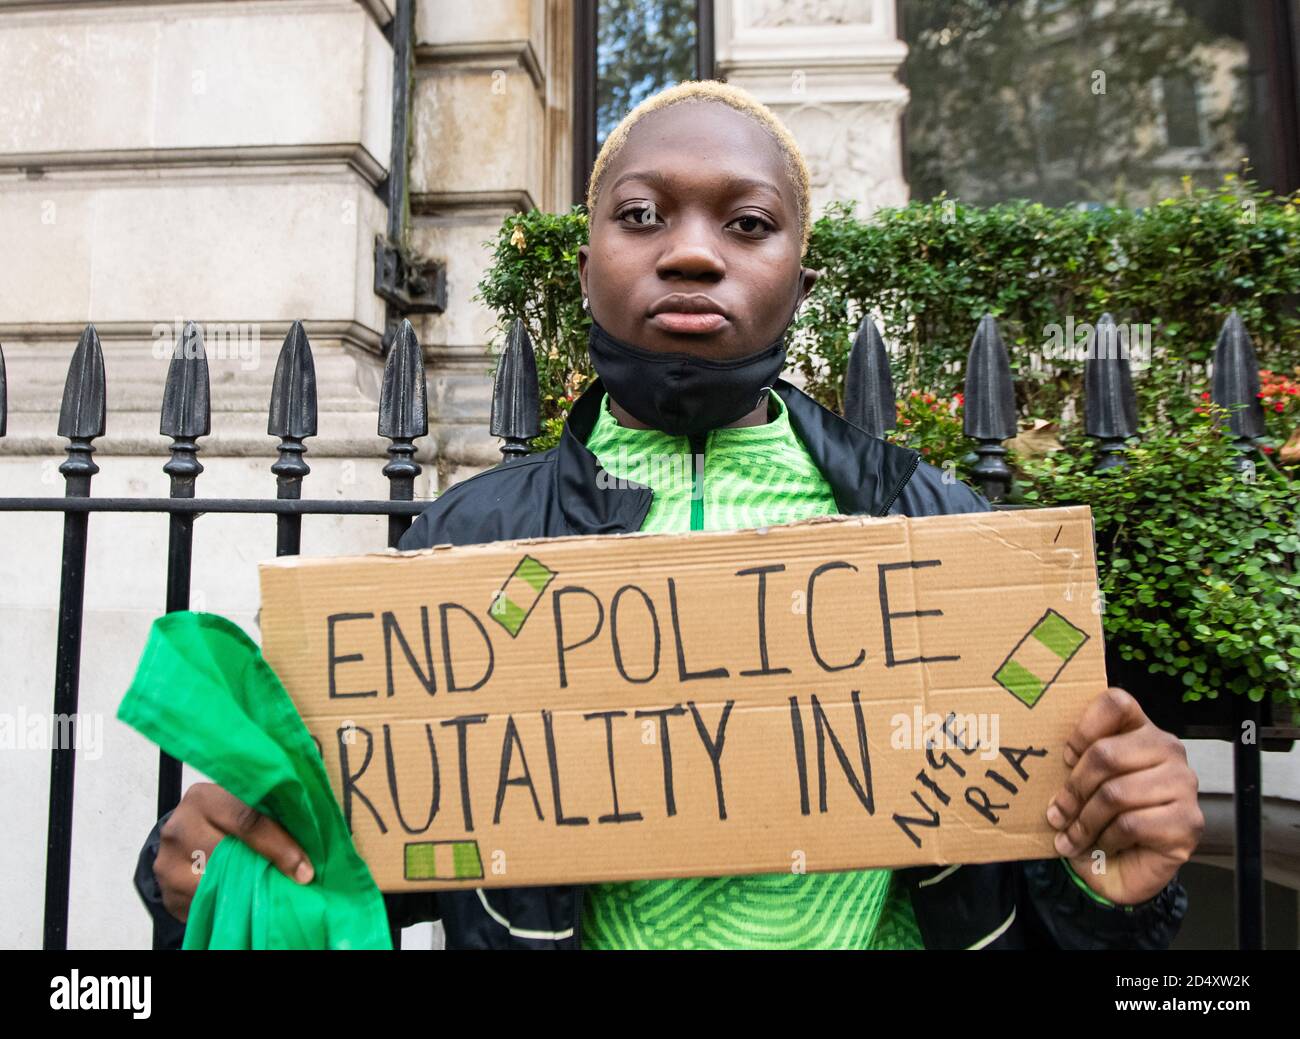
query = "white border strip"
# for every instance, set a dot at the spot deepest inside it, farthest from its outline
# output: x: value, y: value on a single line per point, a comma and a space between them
x: 987, y: 939
x: 521, y: 932
x: 940, y: 876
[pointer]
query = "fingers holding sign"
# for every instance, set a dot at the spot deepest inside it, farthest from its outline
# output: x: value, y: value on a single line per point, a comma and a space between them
x: 1131, y: 794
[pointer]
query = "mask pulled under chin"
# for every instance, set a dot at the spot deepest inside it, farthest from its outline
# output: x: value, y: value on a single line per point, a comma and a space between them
x: 678, y: 393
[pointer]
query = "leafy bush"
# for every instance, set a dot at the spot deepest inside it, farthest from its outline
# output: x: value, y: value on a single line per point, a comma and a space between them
x: 930, y: 271
x: 1280, y: 397
x: 932, y: 426
x: 1197, y: 560
x: 534, y: 275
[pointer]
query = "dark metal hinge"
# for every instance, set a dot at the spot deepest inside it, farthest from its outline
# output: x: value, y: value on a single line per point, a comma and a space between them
x: 412, y: 286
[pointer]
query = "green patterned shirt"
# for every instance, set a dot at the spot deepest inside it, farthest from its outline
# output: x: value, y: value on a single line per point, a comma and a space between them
x: 753, y: 476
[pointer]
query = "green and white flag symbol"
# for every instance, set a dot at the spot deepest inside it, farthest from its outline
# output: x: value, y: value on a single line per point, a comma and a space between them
x: 1039, y: 658
x: 515, y: 599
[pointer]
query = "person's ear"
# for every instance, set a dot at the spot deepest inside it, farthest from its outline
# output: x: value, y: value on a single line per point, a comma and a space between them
x: 807, y: 279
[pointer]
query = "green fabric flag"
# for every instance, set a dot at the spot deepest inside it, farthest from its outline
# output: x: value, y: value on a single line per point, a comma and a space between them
x: 205, y: 695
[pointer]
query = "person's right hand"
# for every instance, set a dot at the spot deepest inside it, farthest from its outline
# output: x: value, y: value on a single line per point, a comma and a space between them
x: 204, y: 816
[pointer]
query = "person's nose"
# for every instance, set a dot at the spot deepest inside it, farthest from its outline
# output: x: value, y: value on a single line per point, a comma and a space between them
x: 691, y: 251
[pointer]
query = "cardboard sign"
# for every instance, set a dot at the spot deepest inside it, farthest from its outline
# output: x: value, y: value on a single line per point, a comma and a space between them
x: 839, y: 693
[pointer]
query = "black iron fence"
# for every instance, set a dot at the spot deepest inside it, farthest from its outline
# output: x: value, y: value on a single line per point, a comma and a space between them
x: 186, y: 416
x: 990, y: 419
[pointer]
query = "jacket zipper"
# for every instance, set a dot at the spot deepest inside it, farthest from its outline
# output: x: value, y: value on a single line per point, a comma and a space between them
x: 916, y: 464
x: 698, y: 441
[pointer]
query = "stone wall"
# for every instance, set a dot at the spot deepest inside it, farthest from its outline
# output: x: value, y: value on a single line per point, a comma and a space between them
x: 829, y: 69
x: 490, y: 137
x: 222, y: 162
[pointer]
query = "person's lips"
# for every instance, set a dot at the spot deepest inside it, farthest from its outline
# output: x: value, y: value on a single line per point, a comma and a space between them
x: 688, y: 314
x: 688, y: 324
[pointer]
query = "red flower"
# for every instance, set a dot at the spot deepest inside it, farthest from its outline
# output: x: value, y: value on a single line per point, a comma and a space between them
x: 1279, y: 406
x: 1205, y: 395
x: 1266, y: 449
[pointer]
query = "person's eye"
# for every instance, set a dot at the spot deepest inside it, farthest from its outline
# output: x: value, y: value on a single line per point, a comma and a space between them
x: 764, y: 226
x: 642, y: 213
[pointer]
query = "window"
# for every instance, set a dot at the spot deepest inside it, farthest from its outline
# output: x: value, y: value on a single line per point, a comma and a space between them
x: 1080, y: 101
x: 1181, y: 111
x: 625, y: 51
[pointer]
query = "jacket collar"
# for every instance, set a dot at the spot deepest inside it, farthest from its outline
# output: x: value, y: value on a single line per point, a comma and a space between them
x: 865, y: 473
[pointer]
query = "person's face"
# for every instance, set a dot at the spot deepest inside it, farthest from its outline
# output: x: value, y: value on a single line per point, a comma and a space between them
x: 697, y: 205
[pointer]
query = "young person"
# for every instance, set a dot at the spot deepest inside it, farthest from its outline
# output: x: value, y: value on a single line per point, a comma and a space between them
x: 699, y: 221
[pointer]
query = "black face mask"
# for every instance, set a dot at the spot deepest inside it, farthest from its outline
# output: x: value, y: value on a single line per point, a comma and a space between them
x: 679, y: 393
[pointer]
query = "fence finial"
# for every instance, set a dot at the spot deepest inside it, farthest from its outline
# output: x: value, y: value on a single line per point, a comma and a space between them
x: 516, y: 401
x: 292, y: 415
x: 83, y: 410
x: 403, y: 410
x: 186, y: 406
x: 1109, y: 403
x: 868, y: 385
x: 1236, y: 381
x: 403, y: 417
x: 990, y: 409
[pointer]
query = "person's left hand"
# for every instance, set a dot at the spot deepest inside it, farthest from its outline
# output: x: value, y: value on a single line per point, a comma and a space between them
x: 1130, y: 793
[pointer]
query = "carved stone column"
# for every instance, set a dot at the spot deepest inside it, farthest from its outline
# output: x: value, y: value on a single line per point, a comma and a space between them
x: 828, y: 69
x: 490, y: 137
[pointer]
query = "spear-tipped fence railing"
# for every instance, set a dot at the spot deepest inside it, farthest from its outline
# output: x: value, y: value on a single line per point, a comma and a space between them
x: 1110, y: 417
x: 186, y: 417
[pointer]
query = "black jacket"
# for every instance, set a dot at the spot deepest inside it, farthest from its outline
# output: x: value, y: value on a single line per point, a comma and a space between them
x: 1028, y: 904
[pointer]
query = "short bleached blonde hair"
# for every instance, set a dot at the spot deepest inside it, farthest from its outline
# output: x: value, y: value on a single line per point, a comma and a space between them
x: 739, y: 99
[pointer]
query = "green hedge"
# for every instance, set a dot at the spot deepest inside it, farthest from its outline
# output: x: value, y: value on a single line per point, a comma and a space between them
x: 534, y: 275
x: 930, y: 270
x: 1196, y: 559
